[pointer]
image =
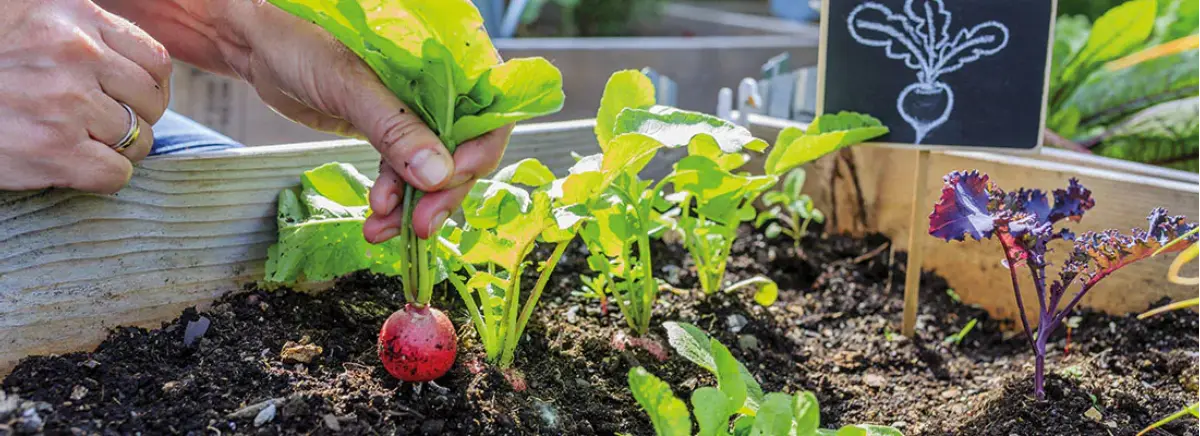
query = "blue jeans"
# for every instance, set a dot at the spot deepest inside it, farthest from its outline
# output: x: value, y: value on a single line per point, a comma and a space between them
x: 177, y: 134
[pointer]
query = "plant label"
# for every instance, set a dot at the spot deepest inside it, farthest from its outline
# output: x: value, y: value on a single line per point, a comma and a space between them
x: 940, y: 73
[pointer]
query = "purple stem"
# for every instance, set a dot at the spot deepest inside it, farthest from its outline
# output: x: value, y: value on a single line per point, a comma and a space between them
x: 1012, y: 272
x: 1039, y: 283
x: 1078, y: 296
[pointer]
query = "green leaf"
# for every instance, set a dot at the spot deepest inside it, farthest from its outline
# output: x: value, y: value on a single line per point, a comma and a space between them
x: 490, y: 203
x: 691, y: 343
x: 437, y: 58
x: 1118, y: 32
x: 825, y: 135
x: 528, y: 172
x: 743, y: 425
x: 524, y: 88
x: 793, y: 183
x: 1176, y: 19
x: 807, y: 413
x: 729, y: 377
x: 707, y: 146
x: 1070, y: 35
x: 320, y: 230
x: 625, y: 89
x: 1112, y: 96
x: 712, y: 409
x: 676, y: 128
x: 765, y: 289
x: 773, y: 230
x: 667, y: 412
x: 695, y: 345
x: 1167, y: 134
x: 719, y: 194
x: 627, y: 154
x: 774, y: 417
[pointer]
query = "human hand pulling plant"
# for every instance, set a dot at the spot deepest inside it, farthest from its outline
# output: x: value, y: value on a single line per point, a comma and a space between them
x: 69, y: 65
x: 921, y: 37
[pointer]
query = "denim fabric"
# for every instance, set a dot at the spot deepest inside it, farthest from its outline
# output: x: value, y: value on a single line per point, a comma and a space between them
x: 176, y: 134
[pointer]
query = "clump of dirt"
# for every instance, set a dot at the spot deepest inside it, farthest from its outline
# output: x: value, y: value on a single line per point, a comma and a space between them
x: 833, y: 331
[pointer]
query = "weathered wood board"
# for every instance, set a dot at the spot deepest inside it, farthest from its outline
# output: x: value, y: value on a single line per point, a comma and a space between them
x: 1125, y: 192
x: 187, y: 230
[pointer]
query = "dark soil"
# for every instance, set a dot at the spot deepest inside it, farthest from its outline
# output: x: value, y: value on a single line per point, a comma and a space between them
x: 831, y: 332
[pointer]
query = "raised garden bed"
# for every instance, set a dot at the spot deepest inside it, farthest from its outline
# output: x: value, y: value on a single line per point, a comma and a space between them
x: 191, y: 229
x: 833, y: 331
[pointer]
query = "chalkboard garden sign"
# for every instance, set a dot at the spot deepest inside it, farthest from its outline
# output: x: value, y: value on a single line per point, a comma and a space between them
x: 940, y: 73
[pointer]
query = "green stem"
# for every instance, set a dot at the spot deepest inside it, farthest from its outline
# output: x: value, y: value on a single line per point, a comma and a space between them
x: 485, y: 334
x: 425, y: 285
x: 544, y: 277
x: 624, y: 301
x: 508, y: 316
x: 408, y: 272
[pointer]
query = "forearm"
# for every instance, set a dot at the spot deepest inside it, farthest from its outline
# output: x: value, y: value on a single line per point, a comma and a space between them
x: 193, y: 31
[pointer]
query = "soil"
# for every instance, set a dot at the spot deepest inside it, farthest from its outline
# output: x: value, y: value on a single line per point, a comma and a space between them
x: 832, y: 332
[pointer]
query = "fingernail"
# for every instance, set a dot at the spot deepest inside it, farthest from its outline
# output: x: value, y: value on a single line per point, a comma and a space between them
x: 386, y: 234
x: 393, y: 200
x: 430, y: 167
x: 437, y: 222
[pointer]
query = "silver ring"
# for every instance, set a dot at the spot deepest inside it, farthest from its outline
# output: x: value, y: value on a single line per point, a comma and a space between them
x: 131, y: 136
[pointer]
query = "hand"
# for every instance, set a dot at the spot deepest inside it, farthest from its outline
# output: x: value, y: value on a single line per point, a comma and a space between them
x: 310, y: 77
x: 65, y: 67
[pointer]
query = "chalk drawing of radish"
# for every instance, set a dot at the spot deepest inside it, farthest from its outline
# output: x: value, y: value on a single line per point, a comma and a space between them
x: 921, y: 38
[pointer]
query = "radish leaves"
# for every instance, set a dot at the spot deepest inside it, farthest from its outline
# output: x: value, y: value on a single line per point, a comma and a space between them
x: 435, y: 56
x: 736, y: 396
x: 826, y: 134
x: 320, y: 229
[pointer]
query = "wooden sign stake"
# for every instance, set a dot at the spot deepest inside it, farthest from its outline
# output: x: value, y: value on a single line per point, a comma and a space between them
x: 912, y: 274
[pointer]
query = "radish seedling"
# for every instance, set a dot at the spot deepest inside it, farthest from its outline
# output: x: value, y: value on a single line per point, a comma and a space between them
x: 921, y: 37
x: 737, y: 396
x: 436, y: 57
x: 790, y: 207
x: 503, y: 224
x: 1023, y: 223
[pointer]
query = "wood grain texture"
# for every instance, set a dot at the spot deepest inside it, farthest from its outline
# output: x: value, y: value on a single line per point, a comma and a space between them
x: 973, y: 269
x: 186, y: 230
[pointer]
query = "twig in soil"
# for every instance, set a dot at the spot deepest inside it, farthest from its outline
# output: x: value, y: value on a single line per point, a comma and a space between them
x: 871, y: 254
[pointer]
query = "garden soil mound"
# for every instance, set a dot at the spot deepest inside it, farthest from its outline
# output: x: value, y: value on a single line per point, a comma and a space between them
x: 833, y: 331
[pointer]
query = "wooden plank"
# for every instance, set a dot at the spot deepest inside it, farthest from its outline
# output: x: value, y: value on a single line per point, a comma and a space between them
x: 185, y: 231
x: 1123, y: 200
x: 916, y: 245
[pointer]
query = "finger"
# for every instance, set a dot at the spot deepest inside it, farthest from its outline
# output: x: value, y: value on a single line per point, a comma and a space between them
x: 385, y: 194
x: 141, y: 146
x: 97, y: 169
x: 433, y: 208
x: 128, y: 83
x: 381, y: 227
x: 405, y: 142
x: 480, y: 156
x: 134, y: 44
x: 107, y: 121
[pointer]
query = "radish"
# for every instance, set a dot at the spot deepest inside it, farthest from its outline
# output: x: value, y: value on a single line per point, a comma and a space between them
x: 921, y: 37
x: 925, y: 106
x: 417, y: 344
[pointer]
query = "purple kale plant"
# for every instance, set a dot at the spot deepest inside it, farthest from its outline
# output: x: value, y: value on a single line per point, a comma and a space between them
x: 1023, y: 223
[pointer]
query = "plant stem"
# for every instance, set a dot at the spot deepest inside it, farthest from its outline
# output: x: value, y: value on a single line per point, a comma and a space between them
x: 509, y: 317
x: 1039, y: 371
x: 543, y: 278
x: 1012, y: 272
x: 407, y: 271
x: 485, y: 334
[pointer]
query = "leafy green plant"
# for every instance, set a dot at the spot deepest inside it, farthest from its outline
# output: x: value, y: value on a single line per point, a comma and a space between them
x: 737, y: 396
x: 1127, y: 85
x: 625, y: 209
x: 712, y: 198
x: 1193, y: 410
x: 790, y: 211
x: 435, y: 56
x: 503, y: 223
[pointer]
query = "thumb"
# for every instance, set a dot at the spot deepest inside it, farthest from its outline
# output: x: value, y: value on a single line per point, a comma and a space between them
x: 404, y: 140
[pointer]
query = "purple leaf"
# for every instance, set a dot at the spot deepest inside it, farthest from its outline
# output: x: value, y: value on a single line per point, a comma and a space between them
x: 962, y: 209
x: 1111, y: 250
x: 1071, y: 203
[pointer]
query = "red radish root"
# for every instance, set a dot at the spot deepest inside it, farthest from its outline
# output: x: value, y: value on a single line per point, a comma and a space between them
x: 417, y: 344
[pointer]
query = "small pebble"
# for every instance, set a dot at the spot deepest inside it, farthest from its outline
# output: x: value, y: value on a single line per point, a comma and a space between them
x: 331, y: 422
x: 265, y: 416
x: 1093, y: 414
x: 748, y: 343
x: 950, y: 393
x: 78, y: 392
x: 875, y: 381
x: 735, y: 323
x: 899, y: 425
